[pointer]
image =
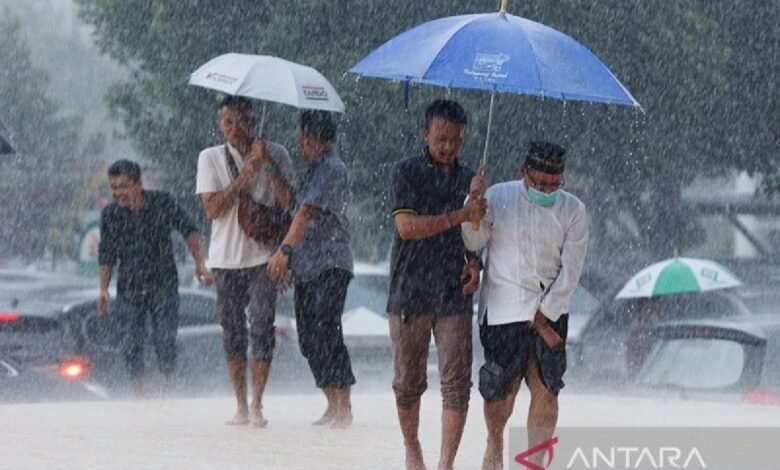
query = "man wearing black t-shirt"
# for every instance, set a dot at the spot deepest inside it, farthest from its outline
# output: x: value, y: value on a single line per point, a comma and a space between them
x: 135, y: 232
x: 433, y: 278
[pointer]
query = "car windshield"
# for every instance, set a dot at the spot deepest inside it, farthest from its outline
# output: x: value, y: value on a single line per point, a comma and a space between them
x: 696, y: 363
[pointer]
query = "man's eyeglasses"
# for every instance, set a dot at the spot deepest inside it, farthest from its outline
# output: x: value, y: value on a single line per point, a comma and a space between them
x: 542, y: 186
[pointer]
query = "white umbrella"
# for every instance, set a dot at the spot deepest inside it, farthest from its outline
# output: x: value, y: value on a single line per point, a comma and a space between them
x: 268, y: 78
x: 678, y: 276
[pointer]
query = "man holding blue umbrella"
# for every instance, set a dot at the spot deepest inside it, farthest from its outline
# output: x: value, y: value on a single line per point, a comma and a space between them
x: 432, y: 279
x: 536, y: 235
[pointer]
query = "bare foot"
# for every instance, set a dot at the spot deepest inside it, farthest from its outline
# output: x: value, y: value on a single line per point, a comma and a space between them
x: 326, y: 418
x: 342, y: 420
x: 493, y: 459
x: 240, y: 419
x: 414, y: 457
x: 257, y: 420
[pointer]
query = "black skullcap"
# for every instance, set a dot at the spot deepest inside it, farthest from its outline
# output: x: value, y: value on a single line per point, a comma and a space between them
x: 546, y: 157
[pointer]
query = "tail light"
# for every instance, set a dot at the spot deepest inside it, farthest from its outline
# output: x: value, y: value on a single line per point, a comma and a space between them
x: 761, y: 396
x: 8, y: 317
x: 73, y: 368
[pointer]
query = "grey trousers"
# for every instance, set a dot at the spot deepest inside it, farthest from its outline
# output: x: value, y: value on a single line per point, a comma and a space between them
x: 246, y: 294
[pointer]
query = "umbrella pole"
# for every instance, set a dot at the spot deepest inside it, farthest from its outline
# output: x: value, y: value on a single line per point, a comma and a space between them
x: 475, y: 225
x: 490, y: 123
x: 262, y: 120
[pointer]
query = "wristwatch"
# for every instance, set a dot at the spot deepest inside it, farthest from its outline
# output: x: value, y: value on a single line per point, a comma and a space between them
x: 286, y: 249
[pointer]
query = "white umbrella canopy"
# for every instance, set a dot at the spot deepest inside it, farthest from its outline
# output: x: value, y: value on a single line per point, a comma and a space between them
x: 268, y: 78
x: 678, y: 275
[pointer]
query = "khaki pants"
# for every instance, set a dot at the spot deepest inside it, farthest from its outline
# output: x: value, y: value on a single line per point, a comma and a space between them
x: 411, y: 340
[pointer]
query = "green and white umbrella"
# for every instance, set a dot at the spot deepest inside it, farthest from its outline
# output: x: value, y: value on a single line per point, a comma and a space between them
x: 678, y: 276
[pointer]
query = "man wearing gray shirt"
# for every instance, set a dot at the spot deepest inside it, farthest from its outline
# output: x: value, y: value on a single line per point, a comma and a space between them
x: 316, y: 248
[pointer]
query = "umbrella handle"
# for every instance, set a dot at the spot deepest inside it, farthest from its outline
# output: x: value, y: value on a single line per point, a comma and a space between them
x: 475, y: 225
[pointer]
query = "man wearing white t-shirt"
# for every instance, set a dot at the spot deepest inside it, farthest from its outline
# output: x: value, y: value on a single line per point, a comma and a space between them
x: 237, y: 261
x: 536, y: 235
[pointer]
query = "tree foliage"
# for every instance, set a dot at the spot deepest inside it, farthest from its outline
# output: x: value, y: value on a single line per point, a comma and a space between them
x: 674, y: 55
x: 39, y: 185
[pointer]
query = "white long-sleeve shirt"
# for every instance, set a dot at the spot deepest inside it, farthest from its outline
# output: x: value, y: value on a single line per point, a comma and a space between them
x: 530, y: 248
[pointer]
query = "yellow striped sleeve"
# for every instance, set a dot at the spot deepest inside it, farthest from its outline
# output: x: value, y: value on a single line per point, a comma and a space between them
x: 404, y: 211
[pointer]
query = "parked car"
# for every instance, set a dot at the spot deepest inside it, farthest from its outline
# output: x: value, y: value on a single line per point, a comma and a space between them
x: 735, y: 359
x: 598, y: 283
x: 39, y: 361
x: 24, y: 284
x: 364, y: 322
x: 602, y: 352
x: 200, y: 361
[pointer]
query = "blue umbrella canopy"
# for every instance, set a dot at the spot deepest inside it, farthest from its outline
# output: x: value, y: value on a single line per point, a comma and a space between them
x: 499, y: 52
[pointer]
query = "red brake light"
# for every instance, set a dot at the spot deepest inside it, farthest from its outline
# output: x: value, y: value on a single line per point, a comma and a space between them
x: 9, y: 317
x: 762, y: 396
x: 73, y: 368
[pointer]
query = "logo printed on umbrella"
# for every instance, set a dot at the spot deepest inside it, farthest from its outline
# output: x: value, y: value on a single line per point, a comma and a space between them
x: 710, y: 274
x: 488, y: 65
x: 221, y: 78
x: 643, y: 280
x: 314, y: 93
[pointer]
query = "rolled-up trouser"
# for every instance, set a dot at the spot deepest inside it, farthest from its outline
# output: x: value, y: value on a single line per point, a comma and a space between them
x: 130, y: 317
x: 411, y: 339
x: 246, y: 294
x: 507, y: 349
x: 319, y: 304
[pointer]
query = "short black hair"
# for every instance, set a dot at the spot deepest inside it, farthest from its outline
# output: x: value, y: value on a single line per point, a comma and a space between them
x: 125, y: 168
x: 319, y: 124
x: 449, y: 110
x: 238, y: 102
x: 546, y: 157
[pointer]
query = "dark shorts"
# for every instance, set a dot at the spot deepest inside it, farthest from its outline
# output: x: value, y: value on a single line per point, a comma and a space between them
x: 411, y: 340
x: 246, y: 294
x: 506, y: 357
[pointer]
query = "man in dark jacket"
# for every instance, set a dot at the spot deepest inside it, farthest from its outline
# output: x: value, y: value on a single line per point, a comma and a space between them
x: 135, y: 232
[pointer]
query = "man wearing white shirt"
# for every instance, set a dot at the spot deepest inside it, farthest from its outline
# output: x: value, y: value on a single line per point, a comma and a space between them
x: 536, y: 236
x: 238, y: 262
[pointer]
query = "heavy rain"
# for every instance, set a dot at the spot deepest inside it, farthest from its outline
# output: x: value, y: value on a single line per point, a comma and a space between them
x: 160, y: 323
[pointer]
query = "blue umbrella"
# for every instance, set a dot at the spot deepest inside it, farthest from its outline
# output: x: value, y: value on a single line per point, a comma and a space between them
x: 498, y: 52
